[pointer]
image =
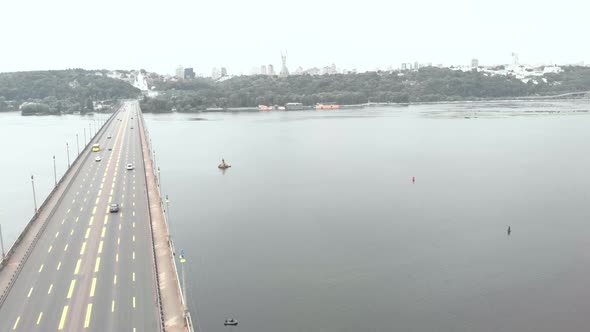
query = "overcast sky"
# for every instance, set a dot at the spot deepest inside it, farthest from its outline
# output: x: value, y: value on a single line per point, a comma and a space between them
x: 238, y: 34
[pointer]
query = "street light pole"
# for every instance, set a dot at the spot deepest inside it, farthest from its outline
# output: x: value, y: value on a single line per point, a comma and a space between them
x: 68, y: 152
x: 34, y: 196
x: 85, y: 136
x: 77, y: 144
x: 54, y: 171
x: 2, y: 243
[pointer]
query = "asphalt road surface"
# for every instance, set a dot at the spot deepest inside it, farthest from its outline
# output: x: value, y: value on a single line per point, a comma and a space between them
x: 92, y: 270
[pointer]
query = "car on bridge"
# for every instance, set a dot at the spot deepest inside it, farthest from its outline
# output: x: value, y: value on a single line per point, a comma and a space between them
x: 114, y: 208
x: 129, y: 167
x: 97, y: 158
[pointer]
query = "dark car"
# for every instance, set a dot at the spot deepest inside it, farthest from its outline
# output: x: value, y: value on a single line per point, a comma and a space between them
x: 114, y: 208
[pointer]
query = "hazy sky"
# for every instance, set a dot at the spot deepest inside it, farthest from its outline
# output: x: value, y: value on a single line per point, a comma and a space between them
x: 160, y: 35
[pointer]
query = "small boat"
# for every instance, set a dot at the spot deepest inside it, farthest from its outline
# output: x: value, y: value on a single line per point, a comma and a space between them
x: 230, y: 322
x: 223, y: 165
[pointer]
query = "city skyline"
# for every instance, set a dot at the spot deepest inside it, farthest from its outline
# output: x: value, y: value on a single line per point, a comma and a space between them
x: 66, y: 34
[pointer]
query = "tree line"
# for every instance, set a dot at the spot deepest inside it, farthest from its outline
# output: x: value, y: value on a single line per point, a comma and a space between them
x: 428, y: 84
x: 60, y: 91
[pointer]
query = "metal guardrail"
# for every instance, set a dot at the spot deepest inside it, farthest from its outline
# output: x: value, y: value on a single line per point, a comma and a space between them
x: 155, y: 265
x: 12, y: 249
x: 187, y: 316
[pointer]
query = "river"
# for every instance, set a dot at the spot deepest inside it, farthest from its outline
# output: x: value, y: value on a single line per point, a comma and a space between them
x: 319, y: 227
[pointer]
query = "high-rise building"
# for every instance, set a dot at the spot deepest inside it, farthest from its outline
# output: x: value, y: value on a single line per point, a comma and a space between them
x: 189, y: 73
x: 223, y: 71
x: 404, y: 66
x: 180, y: 72
x: 263, y: 70
x: 284, y: 71
x: 270, y: 70
x: 416, y: 65
x: 474, y: 63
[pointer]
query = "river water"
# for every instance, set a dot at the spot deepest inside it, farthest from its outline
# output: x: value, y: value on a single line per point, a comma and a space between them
x: 319, y: 227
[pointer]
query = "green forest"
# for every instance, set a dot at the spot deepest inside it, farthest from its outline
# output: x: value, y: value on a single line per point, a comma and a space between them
x: 425, y: 85
x: 60, y: 91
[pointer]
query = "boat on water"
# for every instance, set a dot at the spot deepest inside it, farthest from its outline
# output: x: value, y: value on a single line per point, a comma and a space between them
x: 293, y: 106
x: 265, y: 108
x: 230, y: 322
x: 223, y: 165
x: 327, y: 106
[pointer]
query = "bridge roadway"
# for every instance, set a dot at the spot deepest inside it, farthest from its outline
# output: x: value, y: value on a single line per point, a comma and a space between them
x: 92, y: 270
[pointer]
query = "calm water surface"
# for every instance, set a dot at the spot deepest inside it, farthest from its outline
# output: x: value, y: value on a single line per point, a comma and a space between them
x: 318, y: 226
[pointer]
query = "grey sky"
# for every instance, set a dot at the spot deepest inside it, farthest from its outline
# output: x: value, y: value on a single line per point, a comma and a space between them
x: 160, y: 35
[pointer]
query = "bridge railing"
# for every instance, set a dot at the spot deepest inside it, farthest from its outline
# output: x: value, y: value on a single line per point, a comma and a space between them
x: 42, y: 207
x: 187, y: 314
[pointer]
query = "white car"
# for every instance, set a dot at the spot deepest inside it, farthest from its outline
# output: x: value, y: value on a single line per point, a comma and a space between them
x: 97, y: 158
x: 130, y: 167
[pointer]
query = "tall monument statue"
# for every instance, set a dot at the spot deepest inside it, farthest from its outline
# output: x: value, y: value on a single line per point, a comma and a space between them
x: 284, y: 71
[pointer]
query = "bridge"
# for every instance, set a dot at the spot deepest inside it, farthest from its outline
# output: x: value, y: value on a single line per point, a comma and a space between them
x: 78, y: 266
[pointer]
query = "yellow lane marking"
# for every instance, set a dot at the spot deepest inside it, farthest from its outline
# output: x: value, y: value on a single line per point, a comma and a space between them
x: 58, y: 265
x: 66, y: 247
x: 94, y: 210
x: 88, y: 192
x: 110, y: 199
x: 39, y: 318
x: 123, y: 196
x: 106, y: 219
x: 87, y: 233
x: 117, y: 257
x: 113, y: 306
x: 50, y: 288
x: 62, y: 222
x: 81, y: 209
x: 57, y: 234
x: 133, y: 203
x: 112, y: 191
x: 84, y: 199
x: 77, y: 219
x: 134, y: 213
x: 30, y: 292
x: 133, y: 195
x: 83, y: 248
x: 71, y: 290
x: 78, y: 266
x: 133, y: 276
x: 134, y: 302
x: 91, y: 220
x: 62, y: 321
x: 99, y: 192
x: 16, y: 323
x: 134, y: 224
x: 69, y: 210
x: 97, y: 200
x: 119, y: 226
x: 134, y: 255
x: 100, y: 247
x: 93, y: 287
x: 41, y: 268
x: 72, y: 232
x: 73, y: 201
x: 97, y: 264
x: 88, y: 313
x: 115, y: 279
x: 133, y: 238
x: 50, y: 247
x: 102, y: 185
x: 104, y: 229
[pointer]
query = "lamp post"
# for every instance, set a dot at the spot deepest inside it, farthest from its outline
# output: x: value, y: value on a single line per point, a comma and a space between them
x: 77, y: 144
x: 2, y: 243
x: 85, y: 136
x: 68, y: 152
x: 54, y: 171
x: 159, y: 179
x: 34, y: 196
